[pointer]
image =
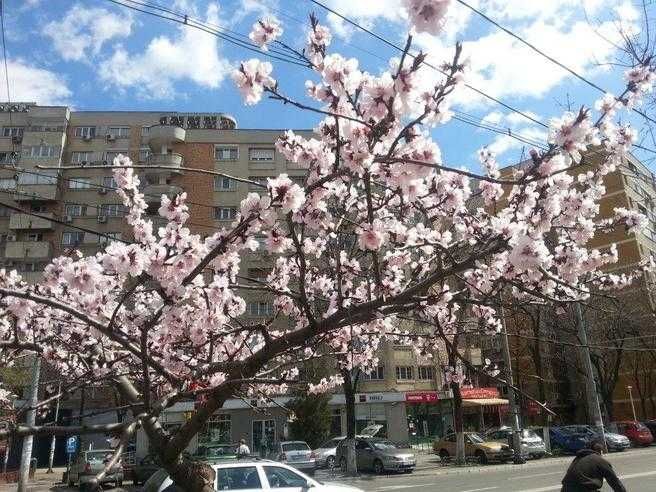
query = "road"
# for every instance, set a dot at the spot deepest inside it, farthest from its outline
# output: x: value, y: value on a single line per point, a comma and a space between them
x: 636, y: 467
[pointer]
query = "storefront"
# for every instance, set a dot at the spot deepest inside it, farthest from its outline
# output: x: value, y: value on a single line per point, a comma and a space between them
x: 483, y: 408
x: 430, y: 413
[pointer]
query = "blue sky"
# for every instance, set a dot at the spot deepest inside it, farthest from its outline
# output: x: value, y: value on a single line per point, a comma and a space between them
x: 95, y: 55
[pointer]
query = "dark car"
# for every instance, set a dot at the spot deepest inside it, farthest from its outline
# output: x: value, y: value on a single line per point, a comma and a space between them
x: 614, y: 442
x: 651, y: 425
x: 145, y: 468
x: 568, y: 439
x: 378, y: 455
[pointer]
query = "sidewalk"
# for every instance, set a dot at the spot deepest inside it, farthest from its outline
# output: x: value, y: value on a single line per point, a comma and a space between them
x: 41, y: 481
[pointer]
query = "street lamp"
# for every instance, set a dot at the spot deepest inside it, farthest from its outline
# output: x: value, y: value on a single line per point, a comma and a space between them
x: 629, y: 387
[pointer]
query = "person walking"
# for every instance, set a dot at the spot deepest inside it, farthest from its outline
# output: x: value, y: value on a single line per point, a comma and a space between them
x: 588, y: 471
x: 243, y: 450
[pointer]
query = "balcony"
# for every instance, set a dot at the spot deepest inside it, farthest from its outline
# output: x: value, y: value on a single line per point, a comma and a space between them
x: 162, y: 136
x: 36, y: 193
x: 153, y: 193
x: 167, y: 160
x: 25, y: 221
x: 28, y: 249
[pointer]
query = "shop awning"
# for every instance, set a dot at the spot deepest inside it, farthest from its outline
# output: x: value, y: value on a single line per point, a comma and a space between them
x: 484, y: 402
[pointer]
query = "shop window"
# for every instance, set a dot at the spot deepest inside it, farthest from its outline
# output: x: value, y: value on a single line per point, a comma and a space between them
x: 404, y: 373
x: 426, y: 373
x: 336, y: 422
x: 217, y: 430
x: 264, y: 436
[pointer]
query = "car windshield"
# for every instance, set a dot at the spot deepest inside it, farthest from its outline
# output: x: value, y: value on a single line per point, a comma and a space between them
x: 529, y: 434
x: 567, y: 430
x: 295, y: 446
x: 475, y: 438
x: 579, y: 429
x: 98, y: 456
x: 384, y: 445
x: 640, y: 426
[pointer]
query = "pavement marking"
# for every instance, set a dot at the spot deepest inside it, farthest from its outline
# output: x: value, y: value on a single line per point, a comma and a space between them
x: 479, y: 490
x: 399, y: 487
x: 536, y: 475
x: 558, y: 487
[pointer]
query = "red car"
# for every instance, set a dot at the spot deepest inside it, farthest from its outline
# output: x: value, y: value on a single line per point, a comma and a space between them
x: 637, y: 432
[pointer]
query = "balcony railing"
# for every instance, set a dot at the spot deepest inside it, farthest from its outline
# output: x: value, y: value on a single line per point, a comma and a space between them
x: 153, y: 193
x: 28, y: 249
x: 36, y: 192
x: 166, y: 160
x: 165, y: 135
x: 25, y: 221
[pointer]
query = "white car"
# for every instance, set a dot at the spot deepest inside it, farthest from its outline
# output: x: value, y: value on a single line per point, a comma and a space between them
x: 257, y: 475
x: 325, y: 454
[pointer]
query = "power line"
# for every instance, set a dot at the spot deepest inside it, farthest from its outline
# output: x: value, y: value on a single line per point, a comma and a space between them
x: 4, y: 56
x: 545, y: 55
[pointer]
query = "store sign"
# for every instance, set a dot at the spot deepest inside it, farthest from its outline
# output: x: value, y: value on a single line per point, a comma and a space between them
x: 198, y: 121
x: 421, y: 397
x: 371, y: 398
x: 479, y: 393
x: 20, y: 107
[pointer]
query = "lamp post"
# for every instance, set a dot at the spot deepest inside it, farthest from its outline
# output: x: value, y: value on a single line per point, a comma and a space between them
x: 629, y: 387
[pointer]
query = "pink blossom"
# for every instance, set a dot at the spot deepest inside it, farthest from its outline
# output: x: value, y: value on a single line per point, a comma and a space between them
x: 372, y: 236
x: 252, y: 77
x: 426, y: 15
x: 265, y: 31
x: 284, y: 191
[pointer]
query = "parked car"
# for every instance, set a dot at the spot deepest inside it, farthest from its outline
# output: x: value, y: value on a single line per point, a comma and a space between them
x: 567, y: 439
x: 532, y: 445
x: 88, y: 464
x: 214, y: 452
x: 651, y: 425
x: 297, y: 454
x: 378, y: 455
x: 637, y: 432
x: 325, y: 454
x: 255, y: 475
x: 143, y: 470
x: 614, y: 441
x: 475, y: 447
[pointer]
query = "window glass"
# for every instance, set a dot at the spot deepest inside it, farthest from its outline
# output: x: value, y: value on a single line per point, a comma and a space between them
x: 42, y: 177
x: 260, y: 180
x: 144, y: 154
x: 7, y: 183
x: 224, y: 153
x: 85, y: 131
x: 79, y: 183
x: 360, y: 444
x: 475, y: 438
x: 295, y: 446
x: 222, y: 183
x: 41, y: 151
x: 384, y: 445
x: 261, y: 154
x: 225, y: 213
x: 74, y: 210
x: 77, y: 157
x: 109, y: 182
x: 112, y: 209
x: 119, y: 131
x: 376, y: 374
x: 403, y: 372
x: 72, y: 238
x: 450, y: 438
x: 238, y: 478
x: 283, y: 477
x: 12, y: 131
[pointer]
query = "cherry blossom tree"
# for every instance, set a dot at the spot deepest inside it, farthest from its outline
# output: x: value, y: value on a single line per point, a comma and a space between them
x: 382, y: 230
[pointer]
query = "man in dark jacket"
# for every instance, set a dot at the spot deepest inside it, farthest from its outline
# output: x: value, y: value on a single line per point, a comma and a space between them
x: 588, y: 470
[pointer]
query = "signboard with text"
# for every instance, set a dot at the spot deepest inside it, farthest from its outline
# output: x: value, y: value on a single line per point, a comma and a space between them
x: 479, y: 393
x: 421, y: 397
x: 198, y: 121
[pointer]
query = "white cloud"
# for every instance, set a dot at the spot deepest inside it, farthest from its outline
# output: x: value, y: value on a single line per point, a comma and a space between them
x: 518, y: 126
x: 82, y: 32
x: 190, y: 55
x: 31, y: 84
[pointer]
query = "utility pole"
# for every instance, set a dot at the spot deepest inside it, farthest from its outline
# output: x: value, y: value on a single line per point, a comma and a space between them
x: 51, y: 457
x: 30, y: 421
x: 632, y: 405
x: 512, y: 397
x: 591, y: 387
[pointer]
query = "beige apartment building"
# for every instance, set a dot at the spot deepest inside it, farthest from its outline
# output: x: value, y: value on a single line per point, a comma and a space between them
x: 402, y: 395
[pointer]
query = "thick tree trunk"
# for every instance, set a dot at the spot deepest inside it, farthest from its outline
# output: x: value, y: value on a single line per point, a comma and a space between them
x: 349, y: 395
x: 192, y: 476
x: 458, y: 424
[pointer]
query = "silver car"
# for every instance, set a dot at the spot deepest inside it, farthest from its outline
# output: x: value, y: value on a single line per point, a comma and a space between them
x: 378, y: 455
x: 531, y: 445
x: 88, y: 464
x: 297, y: 454
x: 325, y: 454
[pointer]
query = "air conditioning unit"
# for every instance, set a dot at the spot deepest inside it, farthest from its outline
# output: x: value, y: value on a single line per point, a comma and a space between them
x: 102, y: 191
x: 68, y: 218
x: 83, y: 163
x: 11, y: 238
x: 102, y: 219
x: 110, y: 137
x: 105, y: 163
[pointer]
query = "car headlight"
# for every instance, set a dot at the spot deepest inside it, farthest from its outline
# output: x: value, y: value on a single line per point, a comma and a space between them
x: 392, y: 458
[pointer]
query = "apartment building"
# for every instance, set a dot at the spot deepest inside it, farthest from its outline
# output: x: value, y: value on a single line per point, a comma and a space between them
x: 38, y: 143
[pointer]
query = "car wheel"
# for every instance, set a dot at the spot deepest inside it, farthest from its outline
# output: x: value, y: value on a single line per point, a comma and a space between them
x: 71, y: 483
x: 330, y: 462
x: 378, y: 467
x: 444, y: 454
x: 481, y: 457
x: 342, y: 465
x: 119, y: 483
x: 135, y: 481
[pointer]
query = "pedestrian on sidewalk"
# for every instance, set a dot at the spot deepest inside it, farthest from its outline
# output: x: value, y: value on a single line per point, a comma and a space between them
x: 243, y: 450
x: 588, y: 471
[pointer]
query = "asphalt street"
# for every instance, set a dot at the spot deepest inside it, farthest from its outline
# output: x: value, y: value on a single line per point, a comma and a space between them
x: 637, y: 468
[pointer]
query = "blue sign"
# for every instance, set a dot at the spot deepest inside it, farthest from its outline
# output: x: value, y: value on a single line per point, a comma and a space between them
x: 71, y: 444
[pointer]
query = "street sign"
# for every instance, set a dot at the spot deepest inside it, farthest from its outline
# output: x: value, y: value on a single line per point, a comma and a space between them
x: 71, y: 444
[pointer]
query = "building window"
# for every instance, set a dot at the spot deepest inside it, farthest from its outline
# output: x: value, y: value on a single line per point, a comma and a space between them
x: 259, y: 308
x: 85, y: 131
x: 35, y: 237
x: 109, y: 182
x: 144, y: 154
x: 222, y: 183
x: 426, y: 373
x: 111, y: 155
x: 78, y: 157
x: 376, y: 374
x: 79, y: 183
x: 225, y: 213
x: 261, y: 154
x: 299, y: 180
x: 41, y: 151
x: 41, y: 178
x: 4, y: 211
x: 222, y: 153
x: 12, y: 131
x: 112, y: 209
x: 119, y: 131
x: 108, y: 237
x: 217, y: 430
x: 145, y: 130
x: 262, y: 180
x: 75, y: 209
x: 404, y: 373
x: 9, y: 157
x: 72, y: 238
x: 7, y: 184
